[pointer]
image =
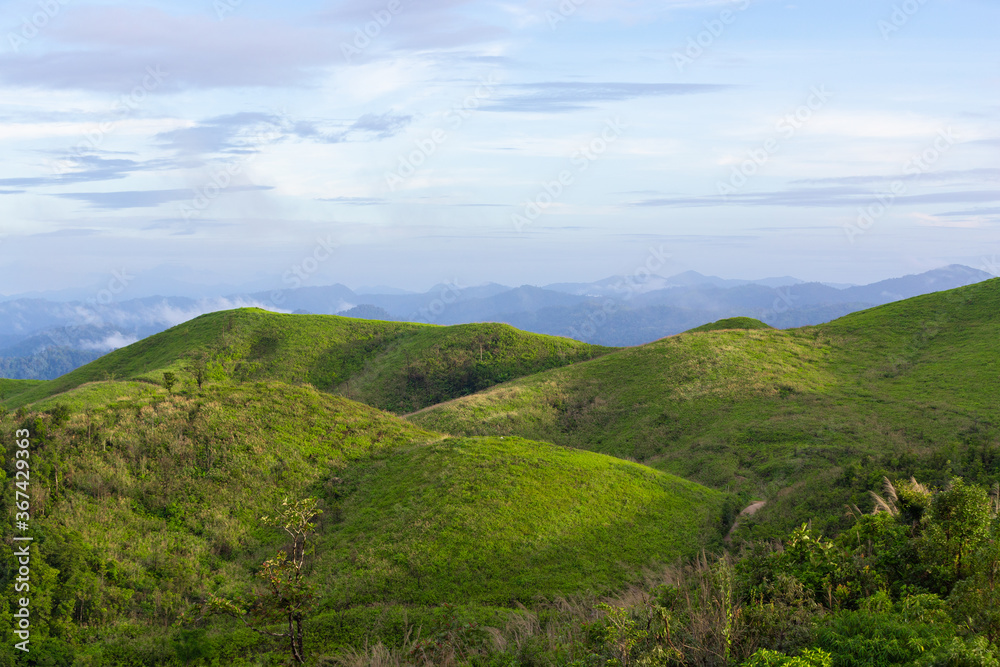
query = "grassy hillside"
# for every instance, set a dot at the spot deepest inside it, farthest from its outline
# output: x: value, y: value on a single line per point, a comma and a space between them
x: 494, y: 520
x: 810, y: 417
x: 392, y: 365
x: 143, y: 503
x: 10, y: 389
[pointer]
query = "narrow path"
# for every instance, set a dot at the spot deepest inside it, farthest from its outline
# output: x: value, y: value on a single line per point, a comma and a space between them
x: 749, y: 510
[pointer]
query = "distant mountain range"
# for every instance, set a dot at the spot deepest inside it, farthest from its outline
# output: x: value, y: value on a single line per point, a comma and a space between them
x: 42, y: 338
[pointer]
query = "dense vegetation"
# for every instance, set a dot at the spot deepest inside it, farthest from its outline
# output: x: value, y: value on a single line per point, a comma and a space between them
x: 917, y: 583
x: 577, y: 514
x: 391, y: 365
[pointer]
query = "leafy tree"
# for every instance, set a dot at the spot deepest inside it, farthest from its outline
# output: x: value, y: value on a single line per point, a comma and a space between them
x: 169, y: 380
x: 976, y: 599
x: 287, y: 596
x: 60, y: 414
x: 198, y: 368
x: 960, y: 520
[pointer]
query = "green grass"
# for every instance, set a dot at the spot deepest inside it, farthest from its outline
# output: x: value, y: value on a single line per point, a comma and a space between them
x: 810, y: 418
x: 499, y: 520
x: 392, y: 365
x: 144, y: 503
x: 10, y: 389
x: 731, y: 323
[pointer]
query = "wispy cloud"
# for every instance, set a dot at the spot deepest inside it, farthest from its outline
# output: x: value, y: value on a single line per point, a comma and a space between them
x: 87, y: 168
x: 354, y: 201
x: 144, y: 198
x: 222, y: 134
x: 562, y: 96
x: 983, y: 175
x: 821, y: 197
x: 104, y: 48
x: 969, y: 212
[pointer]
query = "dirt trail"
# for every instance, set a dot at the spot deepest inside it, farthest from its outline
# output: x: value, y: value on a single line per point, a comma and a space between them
x: 749, y: 510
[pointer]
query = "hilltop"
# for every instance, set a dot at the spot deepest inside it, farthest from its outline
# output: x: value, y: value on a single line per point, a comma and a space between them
x: 731, y: 323
x: 391, y: 365
x: 43, y: 339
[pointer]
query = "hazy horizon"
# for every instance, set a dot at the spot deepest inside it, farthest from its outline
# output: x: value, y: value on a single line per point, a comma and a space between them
x: 144, y: 285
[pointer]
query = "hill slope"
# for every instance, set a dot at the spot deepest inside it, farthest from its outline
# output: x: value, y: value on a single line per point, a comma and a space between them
x: 145, y: 503
x: 911, y: 387
x: 391, y: 365
x: 496, y: 520
x: 9, y: 389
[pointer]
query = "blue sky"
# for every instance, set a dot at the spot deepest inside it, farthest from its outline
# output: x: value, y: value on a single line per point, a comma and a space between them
x: 410, y: 143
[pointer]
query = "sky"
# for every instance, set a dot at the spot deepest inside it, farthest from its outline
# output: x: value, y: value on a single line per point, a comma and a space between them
x: 405, y: 143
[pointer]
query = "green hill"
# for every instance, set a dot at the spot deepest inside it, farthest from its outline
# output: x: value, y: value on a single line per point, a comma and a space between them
x: 731, y: 323
x: 811, y: 417
x: 392, y: 365
x: 143, y: 503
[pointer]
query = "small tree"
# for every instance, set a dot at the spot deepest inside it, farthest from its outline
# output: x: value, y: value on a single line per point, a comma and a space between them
x: 169, y: 380
x: 960, y: 521
x: 287, y: 596
x: 198, y: 368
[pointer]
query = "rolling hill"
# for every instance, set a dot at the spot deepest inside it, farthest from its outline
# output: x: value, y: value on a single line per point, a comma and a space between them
x: 144, y: 503
x: 804, y: 416
x: 583, y: 468
x: 391, y: 365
